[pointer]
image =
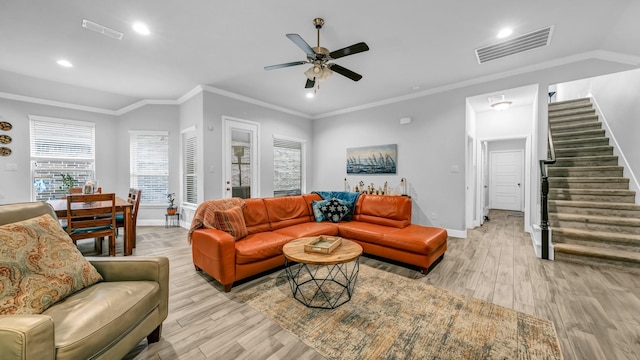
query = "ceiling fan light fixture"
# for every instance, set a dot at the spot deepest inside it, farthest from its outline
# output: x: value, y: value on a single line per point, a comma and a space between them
x: 318, y: 73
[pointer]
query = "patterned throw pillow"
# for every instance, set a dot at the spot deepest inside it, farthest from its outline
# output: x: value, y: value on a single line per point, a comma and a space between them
x: 231, y: 221
x: 39, y: 265
x: 334, y: 211
x: 316, y: 205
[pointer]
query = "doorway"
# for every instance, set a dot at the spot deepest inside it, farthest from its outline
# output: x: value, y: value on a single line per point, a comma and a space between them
x: 240, y: 152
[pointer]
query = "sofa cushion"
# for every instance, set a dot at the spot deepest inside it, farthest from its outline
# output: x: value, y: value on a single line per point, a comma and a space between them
x: 89, y: 320
x: 260, y: 246
x: 230, y: 221
x: 362, y: 231
x: 255, y: 216
x: 415, y: 238
x: 39, y: 265
x: 393, y: 211
x: 309, y: 229
x: 286, y: 211
x: 334, y: 210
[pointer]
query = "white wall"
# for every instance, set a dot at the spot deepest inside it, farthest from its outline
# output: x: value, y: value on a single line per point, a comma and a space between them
x: 149, y: 117
x: 16, y: 186
x: 433, y: 142
x: 510, y: 123
x: 272, y: 122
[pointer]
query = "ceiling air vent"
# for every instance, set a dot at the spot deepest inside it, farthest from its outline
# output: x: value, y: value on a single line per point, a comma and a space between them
x: 102, y: 29
x: 522, y: 43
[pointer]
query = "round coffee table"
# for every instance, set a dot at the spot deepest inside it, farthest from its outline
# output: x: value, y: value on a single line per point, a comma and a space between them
x: 323, y: 281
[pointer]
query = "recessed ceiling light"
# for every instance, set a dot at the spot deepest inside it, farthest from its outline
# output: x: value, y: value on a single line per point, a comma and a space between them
x: 504, y: 33
x: 310, y: 95
x: 64, y: 63
x: 141, y: 28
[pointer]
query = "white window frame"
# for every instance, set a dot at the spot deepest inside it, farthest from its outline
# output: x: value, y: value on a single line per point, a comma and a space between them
x: 161, y: 198
x: 190, y: 134
x: 303, y: 160
x: 55, y: 181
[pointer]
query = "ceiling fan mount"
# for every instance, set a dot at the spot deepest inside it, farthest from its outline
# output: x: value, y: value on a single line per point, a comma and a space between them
x: 320, y: 57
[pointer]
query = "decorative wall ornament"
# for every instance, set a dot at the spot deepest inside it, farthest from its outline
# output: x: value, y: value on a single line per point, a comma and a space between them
x: 379, y: 159
x: 5, y: 139
x: 5, y: 151
x: 5, y: 126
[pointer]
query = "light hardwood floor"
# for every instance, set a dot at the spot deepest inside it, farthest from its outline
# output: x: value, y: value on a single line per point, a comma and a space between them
x: 596, y: 312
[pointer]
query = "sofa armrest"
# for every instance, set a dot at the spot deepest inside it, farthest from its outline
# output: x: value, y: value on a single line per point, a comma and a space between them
x: 27, y: 337
x: 214, y: 251
x: 137, y: 268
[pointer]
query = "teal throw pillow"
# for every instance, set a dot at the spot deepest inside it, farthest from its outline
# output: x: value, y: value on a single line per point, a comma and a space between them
x: 317, y: 213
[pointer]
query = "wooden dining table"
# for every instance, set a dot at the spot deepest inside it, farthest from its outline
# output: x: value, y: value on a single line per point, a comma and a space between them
x: 122, y: 207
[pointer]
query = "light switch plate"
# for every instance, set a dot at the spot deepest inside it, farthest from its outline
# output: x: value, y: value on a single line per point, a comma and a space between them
x: 10, y: 167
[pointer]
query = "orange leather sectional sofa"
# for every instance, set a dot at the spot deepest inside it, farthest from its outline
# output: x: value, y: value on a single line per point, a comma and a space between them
x: 380, y: 224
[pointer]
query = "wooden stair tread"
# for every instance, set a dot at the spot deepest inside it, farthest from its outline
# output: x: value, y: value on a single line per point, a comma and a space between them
x: 603, y: 253
x: 595, y: 204
x: 590, y: 234
x: 596, y: 219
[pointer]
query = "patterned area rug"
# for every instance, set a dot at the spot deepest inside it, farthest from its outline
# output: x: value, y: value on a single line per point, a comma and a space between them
x: 392, y: 317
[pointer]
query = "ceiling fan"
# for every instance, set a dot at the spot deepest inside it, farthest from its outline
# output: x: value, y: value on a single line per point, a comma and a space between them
x: 320, y: 58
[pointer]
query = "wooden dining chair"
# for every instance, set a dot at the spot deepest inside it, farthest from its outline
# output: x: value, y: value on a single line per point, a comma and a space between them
x: 134, y: 199
x: 92, y: 216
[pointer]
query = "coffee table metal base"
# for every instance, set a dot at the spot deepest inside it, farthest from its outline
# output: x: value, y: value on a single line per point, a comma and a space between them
x: 322, y: 286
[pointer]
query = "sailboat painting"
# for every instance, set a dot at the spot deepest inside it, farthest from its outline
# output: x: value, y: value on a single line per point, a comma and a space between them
x: 379, y: 159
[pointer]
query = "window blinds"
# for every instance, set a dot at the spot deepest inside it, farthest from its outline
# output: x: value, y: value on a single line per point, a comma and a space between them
x: 189, y: 171
x: 287, y: 167
x: 149, y: 165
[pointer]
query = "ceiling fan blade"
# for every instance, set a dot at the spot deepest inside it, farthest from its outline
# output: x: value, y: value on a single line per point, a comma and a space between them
x: 349, y: 50
x: 293, y: 63
x: 345, y: 72
x: 298, y: 40
x: 309, y: 84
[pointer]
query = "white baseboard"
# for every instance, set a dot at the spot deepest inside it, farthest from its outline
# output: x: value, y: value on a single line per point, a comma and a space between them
x: 457, y: 233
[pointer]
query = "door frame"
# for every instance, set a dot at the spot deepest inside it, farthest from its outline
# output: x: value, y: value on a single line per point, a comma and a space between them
x: 229, y: 124
x: 528, y: 194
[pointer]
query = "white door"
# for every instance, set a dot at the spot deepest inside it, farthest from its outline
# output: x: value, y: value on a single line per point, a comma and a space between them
x: 506, y: 180
x: 240, y: 159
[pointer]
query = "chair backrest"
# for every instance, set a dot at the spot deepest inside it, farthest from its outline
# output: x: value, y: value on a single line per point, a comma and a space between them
x: 134, y: 198
x: 91, y: 216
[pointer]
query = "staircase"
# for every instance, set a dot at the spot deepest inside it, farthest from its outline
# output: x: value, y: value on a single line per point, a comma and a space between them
x: 592, y: 212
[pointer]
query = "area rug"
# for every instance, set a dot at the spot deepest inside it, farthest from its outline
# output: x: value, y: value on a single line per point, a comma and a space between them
x: 392, y: 317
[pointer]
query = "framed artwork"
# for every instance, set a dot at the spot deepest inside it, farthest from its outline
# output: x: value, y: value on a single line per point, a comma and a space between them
x: 378, y: 159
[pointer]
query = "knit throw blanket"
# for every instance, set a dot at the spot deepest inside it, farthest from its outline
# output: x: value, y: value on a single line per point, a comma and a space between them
x: 204, y: 216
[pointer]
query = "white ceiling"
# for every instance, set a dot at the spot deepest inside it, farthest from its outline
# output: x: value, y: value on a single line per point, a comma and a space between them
x: 416, y: 46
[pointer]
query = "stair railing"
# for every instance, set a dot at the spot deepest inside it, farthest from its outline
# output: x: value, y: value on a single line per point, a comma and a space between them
x: 544, y: 195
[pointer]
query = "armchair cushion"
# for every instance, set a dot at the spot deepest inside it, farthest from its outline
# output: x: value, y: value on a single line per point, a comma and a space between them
x: 39, y: 265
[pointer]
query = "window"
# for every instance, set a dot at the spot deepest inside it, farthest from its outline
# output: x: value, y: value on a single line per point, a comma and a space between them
x: 288, y: 166
x: 189, y: 168
x: 149, y: 165
x: 60, y: 147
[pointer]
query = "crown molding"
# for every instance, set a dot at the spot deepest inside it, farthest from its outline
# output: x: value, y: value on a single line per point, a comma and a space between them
x: 142, y: 103
x: 247, y: 99
x: 596, y: 54
x: 56, y: 103
x: 605, y: 55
